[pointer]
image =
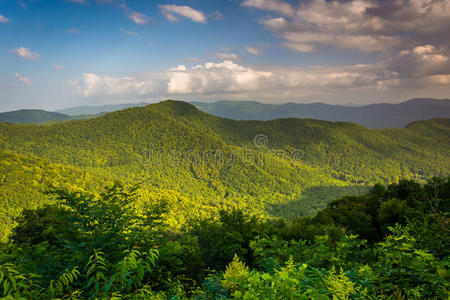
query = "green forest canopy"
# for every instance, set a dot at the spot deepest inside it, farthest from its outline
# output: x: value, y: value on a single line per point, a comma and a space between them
x: 201, y: 164
x: 210, y: 208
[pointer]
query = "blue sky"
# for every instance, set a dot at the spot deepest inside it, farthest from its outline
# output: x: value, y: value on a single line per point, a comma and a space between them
x: 61, y: 53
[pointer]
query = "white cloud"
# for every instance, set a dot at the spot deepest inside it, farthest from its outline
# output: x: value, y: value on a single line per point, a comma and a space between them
x: 428, y: 53
x: 422, y: 66
x: 224, y: 77
x: 226, y: 56
x: 26, y: 53
x: 272, y: 5
x: 58, y: 67
x: 139, y: 18
x: 367, y: 25
x: 3, y: 19
x: 130, y: 33
x: 171, y: 11
x: 23, y: 79
x: 420, y: 61
x: 253, y: 50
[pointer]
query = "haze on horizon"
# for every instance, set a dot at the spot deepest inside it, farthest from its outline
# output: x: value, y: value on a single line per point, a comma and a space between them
x: 57, y: 54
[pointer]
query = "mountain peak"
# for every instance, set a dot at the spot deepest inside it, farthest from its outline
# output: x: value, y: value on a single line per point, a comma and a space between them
x: 180, y: 107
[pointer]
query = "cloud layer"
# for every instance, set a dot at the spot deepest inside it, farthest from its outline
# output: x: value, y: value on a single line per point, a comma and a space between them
x: 366, y: 25
x: 421, y: 66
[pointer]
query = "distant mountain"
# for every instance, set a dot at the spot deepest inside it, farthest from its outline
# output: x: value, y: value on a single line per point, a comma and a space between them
x: 95, y: 110
x: 40, y: 116
x: 32, y: 116
x: 382, y: 115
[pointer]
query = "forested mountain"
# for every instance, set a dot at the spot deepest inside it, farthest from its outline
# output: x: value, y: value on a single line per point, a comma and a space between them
x: 200, y: 163
x: 382, y: 115
x: 168, y: 202
x: 32, y: 116
x: 39, y: 116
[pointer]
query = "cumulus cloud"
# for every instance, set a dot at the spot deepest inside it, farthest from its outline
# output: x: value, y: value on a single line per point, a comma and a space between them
x: 26, y: 53
x: 271, y: 5
x: 367, y: 25
x: 225, y: 77
x: 171, y: 12
x: 422, y: 66
x: 253, y: 50
x: 23, y: 79
x: 420, y: 61
x: 3, y: 19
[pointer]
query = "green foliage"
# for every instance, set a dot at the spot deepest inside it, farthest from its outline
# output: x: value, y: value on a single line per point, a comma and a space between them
x: 201, y: 164
x: 86, y: 235
x: 339, y: 285
x: 235, y: 272
x: 125, y: 280
x: 404, y: 270
x: 65, y: 250
x: 289, y: 282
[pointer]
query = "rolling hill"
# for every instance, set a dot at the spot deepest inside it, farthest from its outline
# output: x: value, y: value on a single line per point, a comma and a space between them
x: 32, y: 116
x: 38, y: 116
x: 200, y: 163
x: 382, y: 115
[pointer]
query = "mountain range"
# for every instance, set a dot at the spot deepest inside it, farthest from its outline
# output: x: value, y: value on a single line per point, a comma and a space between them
x: 382, y: 115
x: 200, y: 163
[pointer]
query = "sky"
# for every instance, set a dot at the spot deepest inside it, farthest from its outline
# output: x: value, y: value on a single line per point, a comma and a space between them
x: 61, y: 53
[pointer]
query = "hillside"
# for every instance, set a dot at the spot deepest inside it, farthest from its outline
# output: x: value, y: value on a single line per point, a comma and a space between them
x: 382, y: 115
x: 38, y: 116
x: 200, y: 163
x: 32, y: 116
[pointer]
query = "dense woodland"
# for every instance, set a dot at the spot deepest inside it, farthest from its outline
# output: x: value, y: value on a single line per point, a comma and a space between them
x: 165, y: 201
x: 392, y: 242
x: 201, y: 164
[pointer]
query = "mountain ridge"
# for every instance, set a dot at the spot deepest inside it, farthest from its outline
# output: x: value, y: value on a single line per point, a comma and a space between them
x: 31, y: 116
x: 380, y: 115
